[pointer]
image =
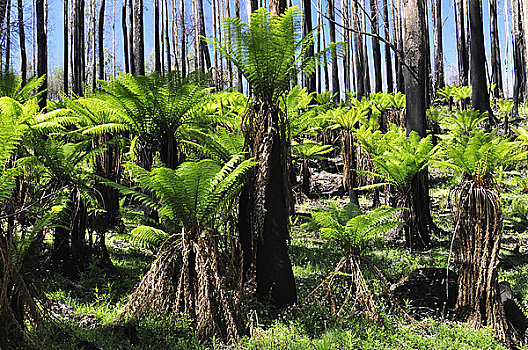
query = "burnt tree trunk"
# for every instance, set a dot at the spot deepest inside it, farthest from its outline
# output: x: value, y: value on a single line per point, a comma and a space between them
x: 496, y: 70
x: 101, y: 40
x: 78, y: 48
x: 268, y: 214
x: 413, y: 18
x: 439, y: 81
x: 131, y: 40
x: 358, y: 45
x: 157, y: 56
x: 479, y: 97
x: 42, y: 51
x: 125, y: 37
x: 335, y: 73
x: 463, y: 64
x: 388, y: 57
x: 22, y: 36
x: 309, y: 80
x: 376, y: 50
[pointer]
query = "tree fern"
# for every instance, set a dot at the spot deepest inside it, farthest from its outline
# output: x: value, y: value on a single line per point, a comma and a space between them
x: 396, y: 156
x: 479, y: 155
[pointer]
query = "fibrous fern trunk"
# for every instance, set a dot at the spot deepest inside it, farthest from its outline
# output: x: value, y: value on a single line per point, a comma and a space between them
x: 350, y: 166
x: 191, y: 276
x: 358, y: 290
x: 478, y: 234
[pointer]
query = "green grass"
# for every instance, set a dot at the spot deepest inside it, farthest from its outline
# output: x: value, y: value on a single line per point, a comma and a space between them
x: 102, y: 295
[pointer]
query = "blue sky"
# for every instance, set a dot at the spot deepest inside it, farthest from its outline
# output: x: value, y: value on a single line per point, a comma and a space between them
x: 55, y: 34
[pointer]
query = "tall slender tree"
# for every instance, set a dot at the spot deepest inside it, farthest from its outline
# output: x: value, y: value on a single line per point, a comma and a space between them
x: 463, y: 65
x: 309, y: 80
x: 126, y: 50
x: 388, y: 55
x: 131, y: 40
x: 65, y: 57
x: 157, y: 55
x: 8, y: 36
x: 78, y: 48
x: 496, y: 69
x: 439, y: 76
x: 479, y: 96
x: 42, y: 44
x: 22, y: 42
x: 167, y: 37
x: 139, y: 41
x: 332, y: 31
x: 358, y: 46
x: 414, y: 70
x: 376, y: 50
x: 183, y: 39
x: 101, y: 64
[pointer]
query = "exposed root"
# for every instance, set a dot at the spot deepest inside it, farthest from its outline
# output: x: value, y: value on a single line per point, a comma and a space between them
x: 191, y: 277
x: 358, y: 291
x: 17, y: 304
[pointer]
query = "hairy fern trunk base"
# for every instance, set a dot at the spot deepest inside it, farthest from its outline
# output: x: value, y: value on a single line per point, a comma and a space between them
x: 478, y: 234
x: 192, y: 277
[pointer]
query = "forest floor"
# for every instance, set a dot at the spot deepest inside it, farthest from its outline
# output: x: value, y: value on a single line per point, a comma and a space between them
x: 87, y: 307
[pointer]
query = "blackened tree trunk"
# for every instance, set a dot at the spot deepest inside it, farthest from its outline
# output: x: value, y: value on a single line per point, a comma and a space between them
x: 203, y: 49
x: 101, y: 40
x: 42, y: 51
x: 439, y: 76
x: 388, y: 57
x: 366, y: 60
x: 239, y: 72
x: 480, y: 96
x: 139, y: 44
x: 463, y: 64
x: 157, y: 56
x: 78, y: 48
x: 269, y: 218
x: 325, y: 76
x: 131, y: 40
x: 65, y: 59
x: 335, y: 73
x: 414, y: 70
x: 518, y: 51
x: 125, y: 36
x: 495, y: 51
x: 360, y: 63
x: 376, y: 50
x: 309, y: 80
x: 3, y: 9
x: 346, y: 38
x: 22, y: 36
x: 397, y: 30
